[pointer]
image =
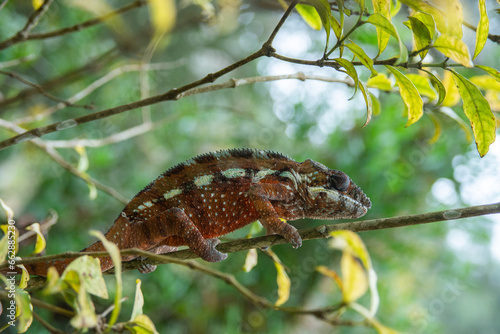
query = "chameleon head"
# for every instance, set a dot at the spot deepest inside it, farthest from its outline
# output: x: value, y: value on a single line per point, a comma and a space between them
x: 331, y: 194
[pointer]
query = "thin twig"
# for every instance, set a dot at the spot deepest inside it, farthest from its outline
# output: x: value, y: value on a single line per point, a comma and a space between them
x: 91, y: 66
x: 54, y: 155
x: 33, y: 20
x: 17, y: 61
x: 51, y: 329
x: 42, y: 91
x: 98, y: 83
x: 2, y: 5
x: 493, y: 38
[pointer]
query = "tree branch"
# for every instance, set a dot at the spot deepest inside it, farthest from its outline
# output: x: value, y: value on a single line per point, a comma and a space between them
x: 319, y: 232
x: 23, y: 34
x: 54, y: 155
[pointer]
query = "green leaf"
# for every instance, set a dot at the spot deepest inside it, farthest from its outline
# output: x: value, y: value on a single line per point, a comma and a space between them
x: 85, y: 311
x: 383, y: 23
x: 375, y: 104
x: 410, y: 96
x: 438, y: 86
x: 114, y: 253
x: 24, y: 310
x: 363, y: 58
x: 90, y: 275
x: 425, y: 7
x: 454, y: 48
x: 336, y: 26
x: 478, y: 111
x: 423, y: 85
x: 483, y: 28
x: 421, y: 34
x: 340, y: 5
x: 351, y: 71
x: 428, y: 20
x: 368, y: 101
x: 323, y: 9
x: 380, y: 81
x: 493, y: 72
x: 310, y: 16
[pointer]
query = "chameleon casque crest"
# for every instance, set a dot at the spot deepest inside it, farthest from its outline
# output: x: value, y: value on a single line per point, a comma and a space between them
x: 216, y: 193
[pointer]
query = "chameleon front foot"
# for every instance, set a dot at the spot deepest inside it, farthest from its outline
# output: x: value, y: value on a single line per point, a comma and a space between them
x: 291, y: 235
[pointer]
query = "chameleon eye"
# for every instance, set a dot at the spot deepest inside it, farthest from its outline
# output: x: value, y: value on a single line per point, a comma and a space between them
x: 339, y: 181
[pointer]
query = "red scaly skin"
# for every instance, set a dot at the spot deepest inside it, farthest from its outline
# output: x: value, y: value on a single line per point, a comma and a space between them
x: 216, y: 193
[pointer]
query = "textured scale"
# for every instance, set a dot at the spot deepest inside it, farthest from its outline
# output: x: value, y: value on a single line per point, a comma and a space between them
x: 216, y: 193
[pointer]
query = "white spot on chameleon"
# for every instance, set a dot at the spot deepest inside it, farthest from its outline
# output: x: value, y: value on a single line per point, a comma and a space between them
x: 203, y: 180
x: 234, y: 172
x: 172, y: 193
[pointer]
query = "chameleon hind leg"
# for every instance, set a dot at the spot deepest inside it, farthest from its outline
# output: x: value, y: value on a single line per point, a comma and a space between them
x: 174, y: 222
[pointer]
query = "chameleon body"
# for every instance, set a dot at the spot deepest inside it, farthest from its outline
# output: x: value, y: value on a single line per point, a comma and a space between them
x: 216, y: 193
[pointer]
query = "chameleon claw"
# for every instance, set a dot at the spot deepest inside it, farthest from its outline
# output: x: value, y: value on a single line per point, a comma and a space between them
x: 211, y: 254
x: 145, y: 268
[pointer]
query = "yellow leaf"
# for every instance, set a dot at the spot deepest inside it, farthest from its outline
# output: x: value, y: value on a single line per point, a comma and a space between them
x: 483, y: 28
x: 410, y: 96
x: 368, y: 101
x: 349, y: 241
x: 478, y: 111
x: 453, y: 48
x: 310, y: 16
x: 437, y: 128
x: 486, y: 82
x: 37, y: 4
x: 354, y: 279
x: 142, y: 324
x: 40, y: 239
x: 382, y: 7
x: 454, y: 17
x: 452, y: 96
x: 138, y: 300
x: 282, y: 280
x: 423, y: 85
x: 163, y: 14
x: 8, y: 211
x: 380, y: 81
x: 250, y: 260
x: 493, y: 72
x: 426, y: 7
x: 330, y: 273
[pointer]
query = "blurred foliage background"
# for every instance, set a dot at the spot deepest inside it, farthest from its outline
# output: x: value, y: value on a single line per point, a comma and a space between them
x: 441, y: 278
